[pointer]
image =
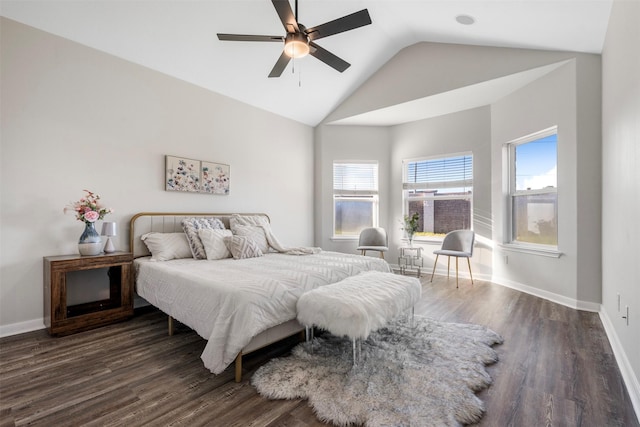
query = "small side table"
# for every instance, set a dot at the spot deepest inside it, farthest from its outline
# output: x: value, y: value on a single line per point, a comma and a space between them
x: 63, y: 319
x: 410, y: 260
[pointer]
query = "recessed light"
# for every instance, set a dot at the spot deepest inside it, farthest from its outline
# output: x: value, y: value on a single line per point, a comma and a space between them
x: 465, y: 19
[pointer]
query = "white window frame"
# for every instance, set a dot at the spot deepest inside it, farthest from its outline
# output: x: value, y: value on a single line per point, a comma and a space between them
x: 468, y: 183
x: 511, y: 191
x: 352, y: 193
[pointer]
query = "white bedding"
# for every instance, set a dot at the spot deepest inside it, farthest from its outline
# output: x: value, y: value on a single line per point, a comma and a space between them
x: 229, y: 301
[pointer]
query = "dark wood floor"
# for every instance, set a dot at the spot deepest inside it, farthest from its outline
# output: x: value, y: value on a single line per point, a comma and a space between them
x: 556, y: 368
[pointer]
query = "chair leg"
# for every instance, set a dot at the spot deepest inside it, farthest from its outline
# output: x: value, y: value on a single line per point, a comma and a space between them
x: 434, y: 267
x: 469, y: 262
x: 381, y: 254
x: 363, y: 252
x: 456, y: 272
x: 448, y: 265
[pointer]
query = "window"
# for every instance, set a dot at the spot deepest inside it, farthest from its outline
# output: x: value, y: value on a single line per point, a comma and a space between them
x: 440, y: 190
x: 533, y: 189
x: 355, y: 197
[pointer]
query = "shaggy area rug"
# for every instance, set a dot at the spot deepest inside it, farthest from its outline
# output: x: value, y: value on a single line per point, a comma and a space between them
x: 421, y: 376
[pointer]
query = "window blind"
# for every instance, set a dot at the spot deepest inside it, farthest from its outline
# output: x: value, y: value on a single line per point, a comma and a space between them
x: 350, y: 178
x: 447, y: 174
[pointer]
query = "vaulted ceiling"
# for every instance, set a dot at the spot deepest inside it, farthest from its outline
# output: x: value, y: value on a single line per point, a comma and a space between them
x: 178, y: 38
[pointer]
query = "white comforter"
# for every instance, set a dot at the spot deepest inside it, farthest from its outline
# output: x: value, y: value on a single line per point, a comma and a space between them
x: 229, y: 301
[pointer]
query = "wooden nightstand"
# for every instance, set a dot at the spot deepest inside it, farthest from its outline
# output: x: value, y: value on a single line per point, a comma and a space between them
x: 63, y: 319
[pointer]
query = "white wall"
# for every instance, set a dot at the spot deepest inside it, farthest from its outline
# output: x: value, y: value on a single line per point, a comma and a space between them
x: 621, y: 189
x: 76, y: 118
x: 568, y: 96
x: 334, y: 143
x: 441, y: 136
x: 426, y: 69
x: 547, y: 102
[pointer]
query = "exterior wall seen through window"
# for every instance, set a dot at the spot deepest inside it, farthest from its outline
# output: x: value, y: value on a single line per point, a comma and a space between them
x: 440, y: 191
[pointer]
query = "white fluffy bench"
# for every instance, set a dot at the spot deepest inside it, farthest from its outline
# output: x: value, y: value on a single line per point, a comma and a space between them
x: 359, y: 305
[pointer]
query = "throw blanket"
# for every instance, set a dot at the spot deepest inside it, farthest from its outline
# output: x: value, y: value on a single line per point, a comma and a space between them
x: 260, y: 221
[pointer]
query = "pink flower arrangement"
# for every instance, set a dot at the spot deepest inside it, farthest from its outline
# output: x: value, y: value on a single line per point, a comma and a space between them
x: 88, y: 209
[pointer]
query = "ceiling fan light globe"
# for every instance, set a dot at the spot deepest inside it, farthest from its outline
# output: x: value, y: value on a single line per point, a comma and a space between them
x: 296, y: 46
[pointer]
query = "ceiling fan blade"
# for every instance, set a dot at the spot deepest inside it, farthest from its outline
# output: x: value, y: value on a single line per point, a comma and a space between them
x: 286, y: 15
x: 249, y: 38
x: 340, y: 25
x: 280, y: 65
x: 328, y: 58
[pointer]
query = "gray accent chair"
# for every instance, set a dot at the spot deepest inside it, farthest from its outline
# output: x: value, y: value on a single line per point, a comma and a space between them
x: 459, y: 244
x: 373, y: 239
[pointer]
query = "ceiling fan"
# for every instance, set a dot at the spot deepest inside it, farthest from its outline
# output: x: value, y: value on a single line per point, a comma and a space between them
x: 299, y: 40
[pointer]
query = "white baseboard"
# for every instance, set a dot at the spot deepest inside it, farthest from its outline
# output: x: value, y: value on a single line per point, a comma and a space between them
x: 37, y: 324
x: 629, y: 377
x: 550, y: 296
x: 21, y: 327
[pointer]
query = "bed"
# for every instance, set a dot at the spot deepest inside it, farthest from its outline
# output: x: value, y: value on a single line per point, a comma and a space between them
x: 237, y: 305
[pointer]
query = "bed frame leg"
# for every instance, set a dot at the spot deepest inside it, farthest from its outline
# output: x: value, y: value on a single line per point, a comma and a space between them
x: 170, y: 326
x: 239, y: 367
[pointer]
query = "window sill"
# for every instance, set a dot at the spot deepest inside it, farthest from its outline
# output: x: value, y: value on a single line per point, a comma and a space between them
x: 344, y: 238
x: 424, y: 241
x: 531, y: 250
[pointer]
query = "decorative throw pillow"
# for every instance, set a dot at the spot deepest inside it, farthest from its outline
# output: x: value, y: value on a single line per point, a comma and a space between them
x: 167, y: 246
x: 242, y: 247
x: 237, y: 219
x: 191, y: 227
x: 213, y: 241
x: 254, y: 233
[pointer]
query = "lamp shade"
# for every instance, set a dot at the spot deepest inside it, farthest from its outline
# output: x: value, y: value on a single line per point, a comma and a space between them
x: 108, y: 229
x: 296, y: 45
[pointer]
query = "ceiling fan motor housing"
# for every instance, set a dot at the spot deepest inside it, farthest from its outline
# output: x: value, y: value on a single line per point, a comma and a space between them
x: 296, y: 45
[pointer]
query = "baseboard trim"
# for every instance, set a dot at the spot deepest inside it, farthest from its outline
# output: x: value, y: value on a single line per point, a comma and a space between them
x: 550, y: 296
x: 629, y: 377
x: 21, y: 327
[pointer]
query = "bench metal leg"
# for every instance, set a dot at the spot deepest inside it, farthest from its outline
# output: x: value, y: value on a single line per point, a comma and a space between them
x: 357, y: 350
x: 413, y: 315
x: 355, y: 363
x: 308, y: 333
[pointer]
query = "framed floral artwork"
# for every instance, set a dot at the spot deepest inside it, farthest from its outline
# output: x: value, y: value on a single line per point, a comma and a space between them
x: 196, y: 176
x: 214, y: 178
x: 182, y: 174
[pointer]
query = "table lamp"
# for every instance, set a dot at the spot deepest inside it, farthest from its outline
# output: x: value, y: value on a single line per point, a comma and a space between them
x: 109, y: 230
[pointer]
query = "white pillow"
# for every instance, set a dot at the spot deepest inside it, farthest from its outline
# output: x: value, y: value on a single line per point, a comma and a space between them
x: 191, y: 227
x: 255, y: 233
x: 242, y: 247
x: 237, y: 219
x: 167, y: 246
x: 213, y: 241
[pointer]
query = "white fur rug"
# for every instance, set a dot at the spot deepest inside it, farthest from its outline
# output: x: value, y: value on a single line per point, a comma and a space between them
x: 425, y: 376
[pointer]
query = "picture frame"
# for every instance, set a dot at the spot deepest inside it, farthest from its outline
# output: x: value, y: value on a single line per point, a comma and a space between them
x: 196, y: 176
x: 214, y: 178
